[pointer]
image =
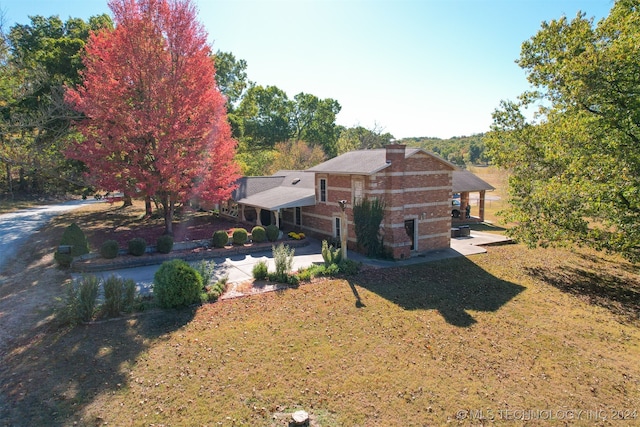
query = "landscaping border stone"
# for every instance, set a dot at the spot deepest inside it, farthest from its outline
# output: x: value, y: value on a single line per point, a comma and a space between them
x: 190, y: 251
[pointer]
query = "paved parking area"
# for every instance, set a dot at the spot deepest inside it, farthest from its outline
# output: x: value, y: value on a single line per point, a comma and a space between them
x: 239, y: 268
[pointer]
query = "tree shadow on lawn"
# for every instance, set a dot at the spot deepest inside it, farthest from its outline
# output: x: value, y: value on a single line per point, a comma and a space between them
x: 50, y: 379
x: 450, y: 286
x: 620, y: 294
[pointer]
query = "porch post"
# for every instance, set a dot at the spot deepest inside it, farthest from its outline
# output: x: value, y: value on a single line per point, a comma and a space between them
x: 242, y: 213
x: 481, y: 209
x: 276, y: 213
x: 258, y: 219
x: 343, y: 228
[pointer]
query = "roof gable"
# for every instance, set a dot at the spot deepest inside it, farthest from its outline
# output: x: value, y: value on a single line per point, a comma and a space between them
x: 367, y: 162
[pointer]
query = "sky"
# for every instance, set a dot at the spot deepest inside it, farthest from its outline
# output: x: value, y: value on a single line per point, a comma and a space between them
x: 412, y: 68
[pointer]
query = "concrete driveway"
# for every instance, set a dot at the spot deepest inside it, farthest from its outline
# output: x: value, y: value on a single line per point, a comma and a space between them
x: 239, y: 268
x: 15, y: 227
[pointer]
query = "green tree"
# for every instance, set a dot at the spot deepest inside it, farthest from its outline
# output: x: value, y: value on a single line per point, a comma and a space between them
x: 575, y: 168
x: 313, y: 120
x: 231, y: 77
x: 360, y: 138
x: 265, y: 113
x: 41, y: 59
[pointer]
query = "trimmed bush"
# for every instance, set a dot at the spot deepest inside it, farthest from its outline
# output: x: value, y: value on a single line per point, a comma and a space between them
x: 220, y: 239
x: 72, y: 236
x: 164, y: 244
x: 260, y: 271
x: 109, y: 249
x: 119, y: 295
x: 137, y: 246
x: 176, y: 284
x: 273, y: 232
x: 239, y: 236
x: 258, y: 234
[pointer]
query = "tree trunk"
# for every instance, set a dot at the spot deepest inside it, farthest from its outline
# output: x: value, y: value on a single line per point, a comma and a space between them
x: 126, y: 201
x: 9, y: 181
x: 21, y: 183
x: 169, y: 206
x: 147, y: 206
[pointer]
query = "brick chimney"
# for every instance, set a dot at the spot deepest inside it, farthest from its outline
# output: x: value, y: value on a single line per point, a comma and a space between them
x: 395, y: 153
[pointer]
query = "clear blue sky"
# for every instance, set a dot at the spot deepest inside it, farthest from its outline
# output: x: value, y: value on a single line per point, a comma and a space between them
x: 412, y: 67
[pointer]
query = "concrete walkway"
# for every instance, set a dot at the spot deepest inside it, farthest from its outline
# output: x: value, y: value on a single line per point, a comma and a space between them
x: 239, y: 268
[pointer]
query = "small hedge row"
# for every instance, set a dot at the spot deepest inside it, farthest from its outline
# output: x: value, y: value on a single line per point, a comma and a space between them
x: 136, y: 247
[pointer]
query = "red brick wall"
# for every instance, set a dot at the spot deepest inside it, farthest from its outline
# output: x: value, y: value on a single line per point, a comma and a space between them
x: 415, y: 188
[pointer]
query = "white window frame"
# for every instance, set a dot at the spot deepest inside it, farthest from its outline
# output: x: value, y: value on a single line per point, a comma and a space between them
x: 322, y: 193
x: 337, y: 231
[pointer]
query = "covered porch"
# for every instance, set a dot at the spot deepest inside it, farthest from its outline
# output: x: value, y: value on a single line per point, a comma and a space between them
x: 263, y: 200
x: 465, y: 183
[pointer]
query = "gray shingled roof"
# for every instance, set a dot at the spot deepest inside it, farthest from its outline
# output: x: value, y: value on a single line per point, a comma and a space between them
x: 465, y: 181
x: 364, y: 162
x: 285, y: 189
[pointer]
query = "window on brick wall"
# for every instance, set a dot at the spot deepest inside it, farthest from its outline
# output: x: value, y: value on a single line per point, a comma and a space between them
x: 336, y: 227
x: 358, y: 191
x: 323, y: 190
x: 298, y: 216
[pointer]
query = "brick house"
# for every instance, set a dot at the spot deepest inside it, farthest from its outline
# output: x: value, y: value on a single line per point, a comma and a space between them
x: 415, y: 185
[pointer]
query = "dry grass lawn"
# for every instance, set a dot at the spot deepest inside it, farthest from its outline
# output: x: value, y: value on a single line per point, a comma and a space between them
x: 490, y: 339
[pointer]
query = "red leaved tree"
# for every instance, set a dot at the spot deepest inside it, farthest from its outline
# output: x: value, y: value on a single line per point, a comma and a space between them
x: 154, y: 122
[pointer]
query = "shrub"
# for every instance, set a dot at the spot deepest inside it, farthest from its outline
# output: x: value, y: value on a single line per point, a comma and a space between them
x: 137, y: 246
x: 273, y: 232
x: 119, y: 295
x: 349, y: 267
x: 109, y: 249
x: 177, y: 284
x: 80, y: 300
x: 260, y: 270
x: 258, y: 234
x: 283, y: 258
x: 367, y: 217
x: 330, y: 255
x: 220, y: 239
x: 239, y: 236
x: 164, y: 244
x: 206, y: 270
x: 74, y: 237
x: 213, y: 292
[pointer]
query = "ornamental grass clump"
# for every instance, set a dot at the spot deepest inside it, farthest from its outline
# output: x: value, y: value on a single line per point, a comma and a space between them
x: 283, y: 258
x: 79, y: 304
x: 119, y: 296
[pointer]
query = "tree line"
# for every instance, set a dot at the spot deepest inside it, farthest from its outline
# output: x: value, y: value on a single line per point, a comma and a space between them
x: 273, y: 131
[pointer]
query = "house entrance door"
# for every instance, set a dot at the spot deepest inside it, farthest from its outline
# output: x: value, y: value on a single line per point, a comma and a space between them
x: 410, y: 228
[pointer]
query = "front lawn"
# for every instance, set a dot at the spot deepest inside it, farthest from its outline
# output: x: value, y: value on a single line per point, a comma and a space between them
x: 487, y: 336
